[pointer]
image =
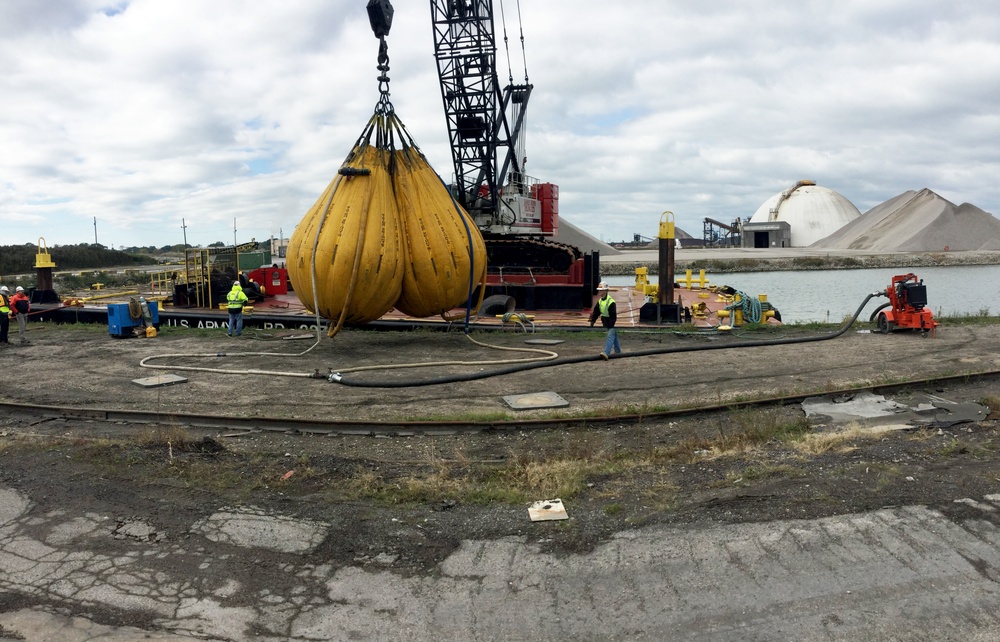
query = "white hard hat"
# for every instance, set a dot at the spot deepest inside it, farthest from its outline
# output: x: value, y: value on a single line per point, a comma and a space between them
x: 19, y: 289
x: 602, y: 286
x: 236, y: 282
x: 3, y: 288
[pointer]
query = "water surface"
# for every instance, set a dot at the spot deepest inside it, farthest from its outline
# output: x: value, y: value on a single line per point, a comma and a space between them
x: 831, y: 295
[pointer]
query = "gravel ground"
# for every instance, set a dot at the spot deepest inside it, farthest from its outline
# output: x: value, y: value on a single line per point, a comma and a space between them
x: 421, y: 496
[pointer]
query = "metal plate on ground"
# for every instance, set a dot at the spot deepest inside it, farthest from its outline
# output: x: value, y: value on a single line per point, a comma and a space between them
x: 545, y: 342
x: 534, y: 400
x: 160, y: 380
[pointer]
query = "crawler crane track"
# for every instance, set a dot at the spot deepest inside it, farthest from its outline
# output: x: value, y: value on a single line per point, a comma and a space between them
x: 432, y: 428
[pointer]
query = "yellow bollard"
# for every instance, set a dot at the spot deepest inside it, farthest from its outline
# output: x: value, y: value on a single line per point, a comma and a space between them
x: 641, y: 278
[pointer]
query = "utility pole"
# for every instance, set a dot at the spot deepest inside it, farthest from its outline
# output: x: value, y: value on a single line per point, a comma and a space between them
x: 236, y: 250
x: 95, y: 230
x: 185, y: 228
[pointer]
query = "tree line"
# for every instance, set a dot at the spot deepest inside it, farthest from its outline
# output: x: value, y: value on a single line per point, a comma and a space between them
x: 19, y: 259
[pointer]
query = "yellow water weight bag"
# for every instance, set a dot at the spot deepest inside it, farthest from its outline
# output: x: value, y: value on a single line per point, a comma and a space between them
x: 351, y: 241
x: 445, y: 253
x: 386, y: 232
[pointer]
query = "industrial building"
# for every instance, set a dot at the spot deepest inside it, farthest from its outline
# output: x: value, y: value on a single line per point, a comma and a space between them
x: 798, y: 217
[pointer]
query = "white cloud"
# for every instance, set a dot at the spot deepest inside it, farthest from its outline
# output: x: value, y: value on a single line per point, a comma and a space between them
x: 145, y: 113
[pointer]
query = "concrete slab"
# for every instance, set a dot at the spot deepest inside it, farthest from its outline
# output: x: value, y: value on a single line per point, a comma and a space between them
x: 159, y: 380
x: 547, y: 510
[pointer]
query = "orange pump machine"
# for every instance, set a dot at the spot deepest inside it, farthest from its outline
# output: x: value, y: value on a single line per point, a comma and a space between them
x: 907, y: 307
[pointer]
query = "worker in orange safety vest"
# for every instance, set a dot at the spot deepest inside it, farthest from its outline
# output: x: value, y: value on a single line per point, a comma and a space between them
x: 21, y: 306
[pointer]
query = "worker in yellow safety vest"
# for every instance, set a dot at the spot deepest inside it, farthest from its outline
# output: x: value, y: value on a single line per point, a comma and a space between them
x: 608, y: 313
x: 4, y: 315
x: 236, y: 300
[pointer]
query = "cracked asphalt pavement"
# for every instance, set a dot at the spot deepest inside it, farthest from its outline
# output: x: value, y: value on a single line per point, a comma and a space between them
x: 906, y: 573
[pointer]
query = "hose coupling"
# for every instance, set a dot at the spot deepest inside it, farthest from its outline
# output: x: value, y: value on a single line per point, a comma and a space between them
x: 335, y: 377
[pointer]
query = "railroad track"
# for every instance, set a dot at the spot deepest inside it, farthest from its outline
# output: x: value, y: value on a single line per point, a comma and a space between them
x: 401, y: 428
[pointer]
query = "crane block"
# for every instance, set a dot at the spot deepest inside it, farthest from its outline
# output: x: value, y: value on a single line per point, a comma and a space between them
x: 380, y: 17
x: 43, y: 259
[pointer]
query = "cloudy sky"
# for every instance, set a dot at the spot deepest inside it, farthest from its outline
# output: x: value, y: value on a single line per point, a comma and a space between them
x: 146, y: 114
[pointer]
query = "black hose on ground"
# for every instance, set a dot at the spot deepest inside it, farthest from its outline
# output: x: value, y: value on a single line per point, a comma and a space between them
x: 877, y: 310
x: 338, y: 378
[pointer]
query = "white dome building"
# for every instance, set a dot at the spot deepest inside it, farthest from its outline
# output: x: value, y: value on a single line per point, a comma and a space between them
x: 811, y: 213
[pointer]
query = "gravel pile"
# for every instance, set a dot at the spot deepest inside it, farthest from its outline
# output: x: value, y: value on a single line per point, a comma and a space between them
x: 917, y: 222
x: 572, y: 235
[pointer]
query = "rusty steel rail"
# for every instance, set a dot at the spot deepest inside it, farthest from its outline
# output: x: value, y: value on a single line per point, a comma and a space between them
x: 431, y: 427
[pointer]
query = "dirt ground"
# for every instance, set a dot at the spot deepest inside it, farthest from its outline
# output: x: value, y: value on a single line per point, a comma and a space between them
x: 626, y: 462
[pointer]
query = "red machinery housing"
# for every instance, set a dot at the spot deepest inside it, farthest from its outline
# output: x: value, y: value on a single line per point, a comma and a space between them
x: 907, y: 307
x: 273, y: 280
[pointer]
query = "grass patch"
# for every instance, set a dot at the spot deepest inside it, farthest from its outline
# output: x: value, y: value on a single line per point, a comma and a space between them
x: 509, y: 483
x: 170, y: 452
x: 748, y: 428
x: 812, y: 325
x: 955, y: 447
x: 435, y: 486
x: 840, y: 442
x: 810, y: 262
x: 757, y: 472
x: 885, y: 474
x: 613, y: 509
x: 740, y: 431
x: 979, y: 318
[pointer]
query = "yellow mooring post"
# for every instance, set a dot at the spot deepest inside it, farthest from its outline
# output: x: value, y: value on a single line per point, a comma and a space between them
x: 666, y: 267
x: 44, y: 292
